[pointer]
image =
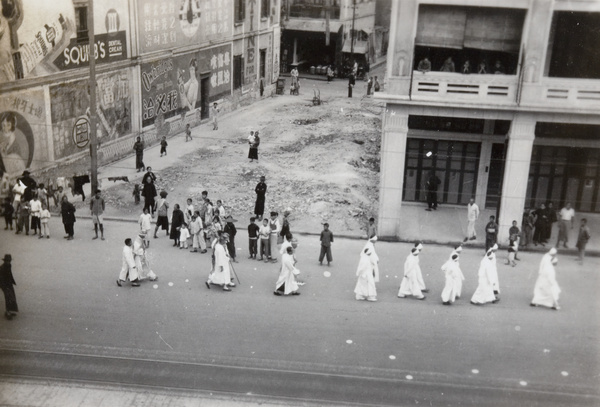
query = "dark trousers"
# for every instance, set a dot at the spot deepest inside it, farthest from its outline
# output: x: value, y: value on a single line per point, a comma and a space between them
x: 325, y: 250
x: 490, y: 240
x: 35, y: 223
x: 139, y: 161
x: 253, y: 247
x: 432, y: 201
x: 69, y: 229
x: 23, y: 222
x: 10, y: 299
x: 265, y: 248
x: 149, y: 204
x: 231, y: 247
x: 8, y: 220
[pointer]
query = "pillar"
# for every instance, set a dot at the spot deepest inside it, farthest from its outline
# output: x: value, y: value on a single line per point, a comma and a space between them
x: 516, y: 174
x: 393, y: 156
x: 295, y: 55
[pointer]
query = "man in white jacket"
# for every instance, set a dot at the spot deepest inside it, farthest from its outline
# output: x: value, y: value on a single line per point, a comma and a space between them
x: 128, y: 268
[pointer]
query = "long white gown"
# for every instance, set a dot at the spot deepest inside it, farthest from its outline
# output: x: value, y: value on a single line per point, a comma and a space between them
x: 222, y: 273
x: 365, y: 285
x: 410, y: 283
x: 494, y: 274
x: 546, y: 290
x: 287, y: 275
x: 128, y: 267
x: 141, y: 261
x: 461, y: 277
x: 485, y: 291
x: 453, y: 274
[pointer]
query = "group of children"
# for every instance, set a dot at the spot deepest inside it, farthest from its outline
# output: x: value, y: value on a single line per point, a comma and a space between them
x: 32, y: 214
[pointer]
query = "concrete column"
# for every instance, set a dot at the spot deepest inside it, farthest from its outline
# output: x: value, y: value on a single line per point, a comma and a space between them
x: 483, y: 173
x: 516, y: 174
x: 393, y: 156
x: 295, y: 56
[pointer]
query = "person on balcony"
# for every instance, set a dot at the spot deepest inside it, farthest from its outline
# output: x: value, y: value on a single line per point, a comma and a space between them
x: 499, y: 68
x: 424, y: 65
x: 448, y: 66
x: 466, y: 68
x: 482, y: 68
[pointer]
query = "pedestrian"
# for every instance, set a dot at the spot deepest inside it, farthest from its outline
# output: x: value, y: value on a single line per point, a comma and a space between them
x: 230, y: 229
x: 494, y: 271
x: 330, y: 73
x: 44, y: 219
x: 275, y: 226
x: 188, y: 133
x: 254, y: 142
x: 163, y: 145
x: 285, y: 225
x: 136, y: 193
x: 265, y: 247
x: 261, y: 191
x: 365, y: 288
x: 373, y: 256
x: 30, y: 186
x: 351, y: 83
x: 491, y: 233
x: 294, y: 74
x: 460, y: 277
x: 546, y: 290
x: 140, y: 254
x: 7, y: 282
x: 412, y: 281
x: 286, y: 283
x: 35, y: 208
x: 128, y: 268
x: 8, y: 211
x: 42, y: 194
x: 18, y: 190
x: 371, y: 228
x: 514, y: 233
x: 369, y: 85
x: 23, y: 217
x: 567, y: 218
x: 162, y: 219
x: 67, y: 211
x: 97, y: 209
x: 58, y: 197
x: 472, y: 216
x: 184, y: 235
x: 528, y: 225
x: 253, y: 230
x: 200, y: 240
x: 512, y: 250
x: 220, y: 211
x: 221, y: 274
x: 452, y: 275
x: 432, y: 186
x: 138, y: 147
x: 552, y: 219
x: 149, y: 193
x: 189, y: 211
x: 214, y: 112
x: 326, y: 240
x: 541, y: 225
x: 176, y: 222
x: 376, y: 86
x: 149, y: 177
x: 485, y: 290
x: 582, y: 239
x: 145, y: 222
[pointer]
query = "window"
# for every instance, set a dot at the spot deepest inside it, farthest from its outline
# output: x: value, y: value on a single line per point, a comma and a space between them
x: 263, y: 63
x: 264, y: 8
x: 81, y: 23
x: 238, y: 71
x: 240, y: 10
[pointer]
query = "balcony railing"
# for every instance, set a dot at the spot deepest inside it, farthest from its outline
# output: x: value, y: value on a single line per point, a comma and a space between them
x: 314, y: 11
x: 579, y: 91
x: 494, y: 89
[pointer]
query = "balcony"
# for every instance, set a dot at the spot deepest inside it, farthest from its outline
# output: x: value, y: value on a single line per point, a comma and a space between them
x: 579, y: 94
x: 473, y: 88
x: 313, y: 11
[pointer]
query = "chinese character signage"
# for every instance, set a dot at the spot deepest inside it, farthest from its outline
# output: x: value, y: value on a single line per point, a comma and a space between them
x: 38, y: 38
x: 176, y: 23
x: 180, y: 85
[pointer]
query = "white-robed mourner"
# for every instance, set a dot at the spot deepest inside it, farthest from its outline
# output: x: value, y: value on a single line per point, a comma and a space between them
x: 365, y: 285
x: 485, y: 289
x: 128, y: 267
x: 453, y: 275
x: 286, y: 283
x: 546, y: 290
x: 412, y: 283
x: 494, y: 271
x: 461, y: 277
x: 221, y: 275
x: 141, y: 260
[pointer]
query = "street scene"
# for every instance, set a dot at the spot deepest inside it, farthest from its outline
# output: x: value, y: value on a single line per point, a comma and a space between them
x: 289, y: 234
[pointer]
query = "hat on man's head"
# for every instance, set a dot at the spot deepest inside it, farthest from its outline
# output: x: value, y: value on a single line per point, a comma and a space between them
x: 273, y: 213
x: 229, y: 218
x: 7, y: 257
x: 262, y: 178
x: 26, y: 173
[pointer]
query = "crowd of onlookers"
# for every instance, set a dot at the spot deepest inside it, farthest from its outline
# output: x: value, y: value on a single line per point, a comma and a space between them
x: 467, y: 68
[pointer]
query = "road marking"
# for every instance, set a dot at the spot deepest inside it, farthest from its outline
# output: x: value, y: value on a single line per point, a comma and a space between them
x: 564, y: 373
x: 349, y: 341
x: 409, y: 377
x: 170, y: 284
x: 327, y: 274
x: 523, y: 383
x: 517, y: 328
x: 475, y: 371
x: 392, y: 357
x: 155, y: 286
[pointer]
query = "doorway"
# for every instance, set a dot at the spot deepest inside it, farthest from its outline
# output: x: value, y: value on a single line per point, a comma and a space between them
x: 204, y: 95
x: 495, y: 176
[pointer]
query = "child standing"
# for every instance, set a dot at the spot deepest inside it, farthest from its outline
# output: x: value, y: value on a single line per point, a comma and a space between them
x: 8, y: 210
x: 197, y: 231
x: 145, y: 223
x: 136, y: 193
x: 188, y: 133
x: 35, y: 207
x: 512, y: 251
x: 162, y: 220
x: 163, y: 145
x: 582, y: 239
x: 253, y: 230
x: 491, y: 233
x: 189, y: 211
x: 44, y: 219
x: 23, y: 217
x: 326, y: 241
x: 264, y: 233
x: 184, y: 235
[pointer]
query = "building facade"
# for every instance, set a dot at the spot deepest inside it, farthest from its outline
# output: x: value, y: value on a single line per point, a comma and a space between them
x: 159, y: 66
x: 501, y: 101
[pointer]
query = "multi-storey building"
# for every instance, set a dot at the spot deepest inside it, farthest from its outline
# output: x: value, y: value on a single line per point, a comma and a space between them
x: 504, y: 108
x: 323, y: 32
x: 159, y: 65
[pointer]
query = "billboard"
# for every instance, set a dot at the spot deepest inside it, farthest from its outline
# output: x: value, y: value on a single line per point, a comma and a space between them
x: 38, y: 38
x: 177, y: 23
x: 173, y: 85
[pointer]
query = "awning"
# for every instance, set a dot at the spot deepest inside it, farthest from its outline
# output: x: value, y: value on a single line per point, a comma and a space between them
x: 360, y: 47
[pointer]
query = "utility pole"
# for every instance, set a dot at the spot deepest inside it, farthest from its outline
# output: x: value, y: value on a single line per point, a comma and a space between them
x: 352, y: 32
x: 92, y: 87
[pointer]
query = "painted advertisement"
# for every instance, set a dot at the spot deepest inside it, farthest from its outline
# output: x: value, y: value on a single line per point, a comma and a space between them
x: 70, y: 102
x: 23, y: 142
x: 39, y: 38
x: 180, y: 85
x: 177, y: 23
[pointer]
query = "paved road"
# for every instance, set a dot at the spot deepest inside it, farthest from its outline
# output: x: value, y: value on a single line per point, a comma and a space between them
x: 322, y: 346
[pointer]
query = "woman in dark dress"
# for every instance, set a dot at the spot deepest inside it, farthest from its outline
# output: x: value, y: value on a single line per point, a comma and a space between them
x: 6, y: 285
x: 149, y: 193
x: 67, y: 211
x: 541, y: 225
x: 253, y: 151
x: 176, y: 222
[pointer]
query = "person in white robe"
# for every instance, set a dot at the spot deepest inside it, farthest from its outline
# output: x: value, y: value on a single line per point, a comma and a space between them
x: 452, y: 273
x: 221, y: 274
x: 286, y: 283
x: 420, y: 280
x: 546, y: 290
x: 494, y: 271
x: 410, y: 283
x: 461, y: 277
x: 141, y: 260
x: 373, y: 257
x: 365, y: 286
x: 128, y: 267
x: 485, y: 290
